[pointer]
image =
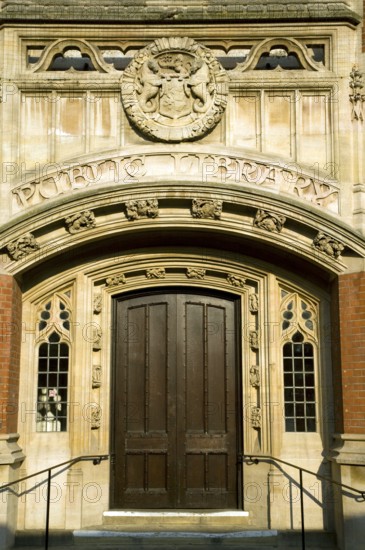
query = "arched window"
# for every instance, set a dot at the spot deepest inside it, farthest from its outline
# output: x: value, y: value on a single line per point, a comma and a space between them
x: 53, y: 365
x: 299, y: 353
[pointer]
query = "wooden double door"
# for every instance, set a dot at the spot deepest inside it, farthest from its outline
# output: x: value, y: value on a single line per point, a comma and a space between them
x: 176, y: 402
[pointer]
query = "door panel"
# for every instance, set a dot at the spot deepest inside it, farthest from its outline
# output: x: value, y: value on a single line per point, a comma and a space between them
x: 176, y: 404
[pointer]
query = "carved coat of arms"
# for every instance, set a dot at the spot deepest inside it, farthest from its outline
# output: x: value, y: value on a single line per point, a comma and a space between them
x: 174, y: 90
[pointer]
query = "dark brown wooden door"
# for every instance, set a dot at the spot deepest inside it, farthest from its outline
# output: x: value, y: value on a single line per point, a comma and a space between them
x: 176, y: 402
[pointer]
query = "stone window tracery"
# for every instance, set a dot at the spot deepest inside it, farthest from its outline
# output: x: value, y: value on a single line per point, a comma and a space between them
x: 298, y: 324
x: 54, y: 323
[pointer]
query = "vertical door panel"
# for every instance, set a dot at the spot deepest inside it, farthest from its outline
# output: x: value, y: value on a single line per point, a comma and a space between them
x: 176, y: 410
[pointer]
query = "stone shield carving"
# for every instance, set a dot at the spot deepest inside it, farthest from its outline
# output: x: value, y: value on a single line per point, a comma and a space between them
x: 174, y: 90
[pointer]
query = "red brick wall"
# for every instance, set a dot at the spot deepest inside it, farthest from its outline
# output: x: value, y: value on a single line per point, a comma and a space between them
x: 351, y: 295
x: 10, y: 340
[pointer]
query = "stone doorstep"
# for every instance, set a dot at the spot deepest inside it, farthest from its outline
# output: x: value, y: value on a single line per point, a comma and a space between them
x: 162, y: 520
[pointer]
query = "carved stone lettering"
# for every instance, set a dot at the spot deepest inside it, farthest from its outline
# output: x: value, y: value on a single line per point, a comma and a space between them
x: 80, y: 221
x: 236, y: 281
x: 328, y: 245
x: 22, y: 247
x: 174, y: 90
x: 141, y: 209
x: 156, y: 273
x: 269, y: 221
x: 115, y: 280
x: 207, y: 209
x: 195, y: 273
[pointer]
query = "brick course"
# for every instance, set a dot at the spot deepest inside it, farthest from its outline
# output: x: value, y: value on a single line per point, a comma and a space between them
x: 350, y: 376
x: 10, y: 340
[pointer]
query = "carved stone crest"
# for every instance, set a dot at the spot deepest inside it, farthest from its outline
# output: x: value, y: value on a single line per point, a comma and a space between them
x: 80, y: 221
x: 141, y: 209
x: 205, y: 209
x: 195, y: 273
x: 156, y: 273
x: 328, y: 245
x: 22, y: 247
x: 269, y: 221
x: 174, y: 90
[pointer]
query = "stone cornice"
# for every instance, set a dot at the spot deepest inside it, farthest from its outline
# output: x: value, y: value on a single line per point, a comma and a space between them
x: 190, y: 11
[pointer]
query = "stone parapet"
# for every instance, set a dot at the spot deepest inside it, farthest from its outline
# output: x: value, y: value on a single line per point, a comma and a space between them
x: 191, y: 11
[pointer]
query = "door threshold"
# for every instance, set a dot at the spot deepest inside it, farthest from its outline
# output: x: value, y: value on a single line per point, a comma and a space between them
x: 174, y: 514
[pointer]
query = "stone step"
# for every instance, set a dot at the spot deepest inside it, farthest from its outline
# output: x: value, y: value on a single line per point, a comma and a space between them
x: 104, y: 538
x: 165, y: 520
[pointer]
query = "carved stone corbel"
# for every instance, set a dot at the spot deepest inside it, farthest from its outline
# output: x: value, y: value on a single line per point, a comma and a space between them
x: 137, y: 209
x: 156, y: 273
x: 23, y: 246
x: 254, y: 339
x: 328, y: 245
x: 256, y: 418
x: 115, y: 280
x: 253, y: 303
x: 357, y: 98
x: 269, y: 221
x: 195, y: 273
x: 80, y: 221
x: 207, y: 209
x: 96, y: 376
x: 255, y: 376
x: 236, y: 281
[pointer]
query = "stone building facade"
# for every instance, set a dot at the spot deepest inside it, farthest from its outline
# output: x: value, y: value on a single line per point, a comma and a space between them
x: 182, y: 261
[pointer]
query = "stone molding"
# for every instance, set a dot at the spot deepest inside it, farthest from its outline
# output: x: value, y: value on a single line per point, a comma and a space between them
x: 349, y: 449
x: 112, y: 10
x: 10, y: 452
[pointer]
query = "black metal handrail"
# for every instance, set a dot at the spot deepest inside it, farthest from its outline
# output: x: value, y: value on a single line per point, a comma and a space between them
x: 255, y: 459
x: 96, y: 459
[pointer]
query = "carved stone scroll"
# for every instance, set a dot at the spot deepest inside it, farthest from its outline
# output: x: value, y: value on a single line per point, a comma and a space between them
x: 22, y: 247
x: 80, y: 221
x: 236, y: 281
x: 207, y: 209
x: 269, y: 221
x: 174, y: 90
x: 156, y: 273
x: 328, y: 245
x: 141, y: 209
x: 195, y: 273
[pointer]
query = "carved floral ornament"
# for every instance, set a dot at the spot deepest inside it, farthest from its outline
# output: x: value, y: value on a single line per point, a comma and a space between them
x: 22, y: 247
x: 174, y: 90
x: 330, y: 246
x: 357, y: 98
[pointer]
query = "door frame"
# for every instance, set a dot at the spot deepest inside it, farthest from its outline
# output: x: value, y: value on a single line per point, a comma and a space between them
x: 183, y: 289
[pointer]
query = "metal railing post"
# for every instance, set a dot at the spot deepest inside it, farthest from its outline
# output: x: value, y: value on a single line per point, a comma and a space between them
x: 302, y: 507
x: 46, y: 537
